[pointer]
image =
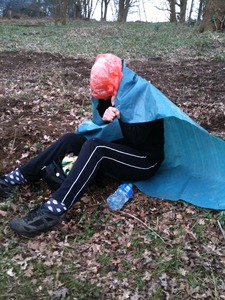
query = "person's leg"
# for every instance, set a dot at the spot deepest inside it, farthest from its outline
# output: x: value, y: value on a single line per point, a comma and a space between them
x: 31, y: 171
x: 117, y: 160
x: 68, y: 143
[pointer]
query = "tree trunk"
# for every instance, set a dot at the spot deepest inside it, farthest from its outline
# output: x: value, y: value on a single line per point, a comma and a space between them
x: 191, y: 10
x: 57, y: 11
x: 126, y: 9
x: 173, y: 18
x: 90, y: 7
x: 104, y: 9
x: 105, y: 12
x: 77, y: 10
x: 213, y: 16
x: 183, y: 7
x: 200, y: 9
x: 120, y: 17
x: 64, y: 12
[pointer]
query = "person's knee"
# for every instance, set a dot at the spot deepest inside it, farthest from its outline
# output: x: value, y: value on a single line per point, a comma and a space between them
x: 68, y: 139
x: 91, y: 144
x: 68, y: 136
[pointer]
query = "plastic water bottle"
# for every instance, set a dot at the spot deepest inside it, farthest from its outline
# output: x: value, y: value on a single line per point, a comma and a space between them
x: 120, y: 196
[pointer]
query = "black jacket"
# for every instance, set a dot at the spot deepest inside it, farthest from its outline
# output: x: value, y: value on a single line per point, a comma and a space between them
x: 147, y: 137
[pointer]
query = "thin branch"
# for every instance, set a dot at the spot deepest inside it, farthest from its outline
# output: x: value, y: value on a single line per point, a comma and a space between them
x: 155, y: 233
x: 220, y: 226
x: 11, y: 147
x: 161, y: 8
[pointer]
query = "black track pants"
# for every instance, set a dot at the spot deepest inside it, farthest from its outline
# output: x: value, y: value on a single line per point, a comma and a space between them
x: 68, y: 143
x: 116, y: 160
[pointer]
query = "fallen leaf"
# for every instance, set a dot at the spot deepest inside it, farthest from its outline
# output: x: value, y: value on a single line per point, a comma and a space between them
x: 10, y: 273
x: 3, y: 213
x: 62, y: 293
x: 164, y: 281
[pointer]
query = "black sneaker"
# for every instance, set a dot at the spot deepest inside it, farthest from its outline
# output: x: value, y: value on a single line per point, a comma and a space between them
x: 38, y: 220
x: 5, y: 188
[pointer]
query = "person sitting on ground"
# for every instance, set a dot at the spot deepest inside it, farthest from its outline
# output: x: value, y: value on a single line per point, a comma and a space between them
x: 137, y: 155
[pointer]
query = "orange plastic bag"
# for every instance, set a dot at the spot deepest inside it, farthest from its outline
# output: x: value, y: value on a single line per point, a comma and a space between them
x: 106, y: 74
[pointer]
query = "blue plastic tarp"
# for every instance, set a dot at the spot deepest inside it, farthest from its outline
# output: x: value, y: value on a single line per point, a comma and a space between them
x: 194, y: 166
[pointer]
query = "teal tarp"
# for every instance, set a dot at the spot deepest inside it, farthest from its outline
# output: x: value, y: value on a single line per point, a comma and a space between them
x: 194, y: 166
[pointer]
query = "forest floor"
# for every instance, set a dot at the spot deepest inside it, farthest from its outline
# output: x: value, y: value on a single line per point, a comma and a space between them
x: 44, y: 95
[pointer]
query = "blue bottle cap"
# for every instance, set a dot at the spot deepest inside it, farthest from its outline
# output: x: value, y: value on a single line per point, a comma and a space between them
x: 128, y: 188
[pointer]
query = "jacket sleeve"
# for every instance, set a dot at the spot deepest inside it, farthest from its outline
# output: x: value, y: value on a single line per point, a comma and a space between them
x: 102, y: 106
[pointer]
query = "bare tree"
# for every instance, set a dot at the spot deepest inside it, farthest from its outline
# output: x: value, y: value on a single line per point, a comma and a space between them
x: 183, y: 7
x: 87, y: 7
x: 57, y: 11
x: 64, y: 12
x: 191, y: 10
x: 121, y: 12
x: 124, y: 7
x: 104, y: 9
x: 77, y: 13
x: 60, y: 7
x: 173, y: 17
x: 180, y: 14
x: 213, y: 16
x: 81, y: 9
x: 200, y: 9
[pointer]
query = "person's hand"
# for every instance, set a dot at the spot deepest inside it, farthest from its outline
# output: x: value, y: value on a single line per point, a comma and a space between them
x: 110, y: 114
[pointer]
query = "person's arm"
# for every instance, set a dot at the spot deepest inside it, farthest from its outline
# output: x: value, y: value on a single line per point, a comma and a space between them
x: 107, y: 111
x: 103, y: 105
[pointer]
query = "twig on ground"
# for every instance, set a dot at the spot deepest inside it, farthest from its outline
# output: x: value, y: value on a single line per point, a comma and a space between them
x: 11, y: 147
x: 155, y: 233
x: 220, y: 226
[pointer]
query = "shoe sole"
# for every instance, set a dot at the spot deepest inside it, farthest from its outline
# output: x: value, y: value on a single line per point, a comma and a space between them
x: 23, y: 234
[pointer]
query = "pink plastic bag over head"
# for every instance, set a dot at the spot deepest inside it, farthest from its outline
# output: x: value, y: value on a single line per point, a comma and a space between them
x: 106, y: 74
